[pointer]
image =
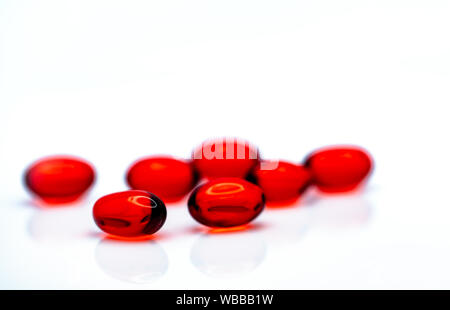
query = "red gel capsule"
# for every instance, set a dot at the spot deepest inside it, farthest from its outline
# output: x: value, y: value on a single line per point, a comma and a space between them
x: 59, y: 178
x: 339, y: 169
x: 225, y: 157
x: 281, y: 181
x: 131, y: 213
x: 226, y: 202
x: 166, y: 177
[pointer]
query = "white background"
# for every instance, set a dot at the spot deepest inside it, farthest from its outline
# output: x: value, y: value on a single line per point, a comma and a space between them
x: 115, y: 80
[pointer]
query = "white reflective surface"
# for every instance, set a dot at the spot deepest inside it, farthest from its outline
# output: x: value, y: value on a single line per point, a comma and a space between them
x: 135, y: 261
x: 228, y: 254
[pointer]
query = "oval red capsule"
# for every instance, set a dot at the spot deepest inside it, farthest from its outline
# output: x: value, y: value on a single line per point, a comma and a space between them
x: 225, y: 157
x: 166, y: 177
x: 339, y: 169
x: 131, y: 213
x: 59, y: 178
x: 226, y: 202
x: 281, y: 180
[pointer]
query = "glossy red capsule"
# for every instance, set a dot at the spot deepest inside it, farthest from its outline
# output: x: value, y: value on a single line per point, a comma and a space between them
x: 339, y: 169
x: 226, y: 202
x: 281, y: 181
x: 59, y: 178
x: 166, y: 177
x: 131, y: 213
x: 226, y: 157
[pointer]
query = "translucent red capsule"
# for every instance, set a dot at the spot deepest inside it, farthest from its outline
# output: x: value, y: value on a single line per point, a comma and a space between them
x: 226, y: 157
x: 281, y: 180
x: 339, y: 169
x: 166, y: 177
x: 131, y: 213
x: 226, y: 202
x: 59, y: 178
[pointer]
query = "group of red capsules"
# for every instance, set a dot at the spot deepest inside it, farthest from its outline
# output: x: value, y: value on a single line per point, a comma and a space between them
x: 235, y: 184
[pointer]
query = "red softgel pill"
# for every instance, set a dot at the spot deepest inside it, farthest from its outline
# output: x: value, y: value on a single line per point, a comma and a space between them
x: 339, y: 169
x: 59, y: 178
x: 131, y: 213
x: 281, y: 180
x: 226, y: 157
x: 167, y: 177
x: 226, y: 202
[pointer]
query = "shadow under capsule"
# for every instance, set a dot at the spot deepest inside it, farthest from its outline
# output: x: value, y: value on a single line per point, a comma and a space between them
x: 340, y: 212
x: 60, y: 224
x: 137, y: 262
x: 288, y: 226
x: 228, y: 254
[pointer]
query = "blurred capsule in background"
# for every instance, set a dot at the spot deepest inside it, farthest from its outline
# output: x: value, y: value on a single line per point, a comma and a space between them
x: 226, y: 202
x: 130, y: 214
x: 59, y: 179
x: 168, y: 178
x: 339, y: 168
x: 225, y: 157
x: 281, y: 181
